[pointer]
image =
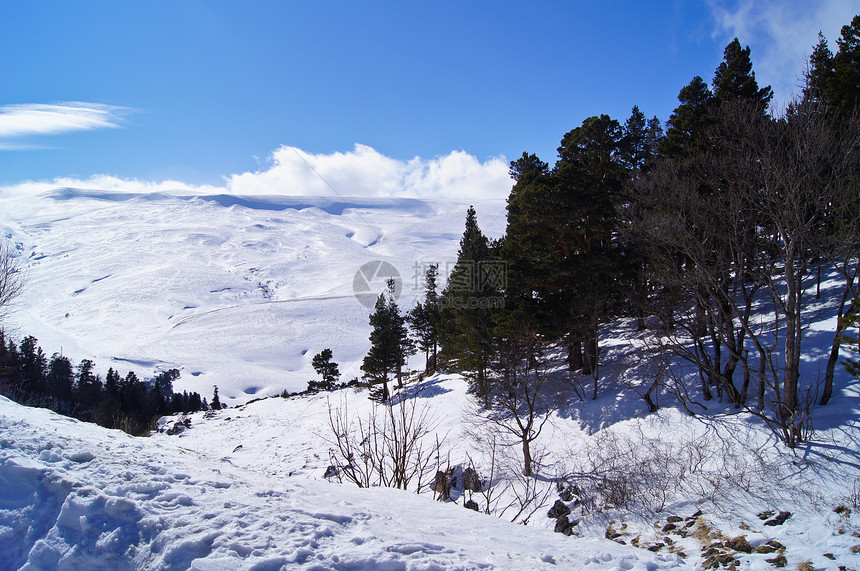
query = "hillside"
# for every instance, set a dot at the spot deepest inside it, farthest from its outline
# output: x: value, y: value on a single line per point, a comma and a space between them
x: 242, y: 292
x: 238, y: 292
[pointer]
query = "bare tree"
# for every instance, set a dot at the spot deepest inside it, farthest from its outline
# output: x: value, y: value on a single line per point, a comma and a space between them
x: 519, y: 403
x: 385, y: 448
x: 738, y: 226
x: 11, y: 278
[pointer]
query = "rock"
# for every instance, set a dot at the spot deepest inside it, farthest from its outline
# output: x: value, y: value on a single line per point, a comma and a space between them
x: 565, y: 526
x: 778, y: 520
x: 674, y: 519
x: 567, y: 492
x: 740, y: 543
x: 471, y: 480
x: 443, y: 484
x: 558, y: 509
x: 471, y: 505
x: 176, y: 428
x: 765, y: 515
x: 669, y: 527
x: 330, y: 472
x: 778, y: 561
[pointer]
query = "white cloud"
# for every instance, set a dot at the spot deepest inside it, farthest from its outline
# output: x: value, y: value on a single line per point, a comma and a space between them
x: 51, y: 119
x: 110, y: 184
x: 781, y: 35
x: 362, y: 172
x: 366, y: 172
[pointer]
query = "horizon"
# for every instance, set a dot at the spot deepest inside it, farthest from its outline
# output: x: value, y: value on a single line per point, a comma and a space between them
x: 337, y: 99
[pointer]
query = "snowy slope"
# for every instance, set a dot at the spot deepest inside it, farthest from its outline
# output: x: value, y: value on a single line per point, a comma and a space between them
x: 235, y: 291
x: 242, y: 292
x: 76, y: 496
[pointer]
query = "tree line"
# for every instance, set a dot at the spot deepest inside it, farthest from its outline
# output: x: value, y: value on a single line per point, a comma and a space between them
x: 714, y: 232
x: 127, y: 403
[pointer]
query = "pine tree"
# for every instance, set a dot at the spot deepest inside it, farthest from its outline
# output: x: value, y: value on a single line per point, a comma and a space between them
x: 819, y: 73
x: 466, y: 321
x: 734, y: 79
x: 424, y: 319
x: 112, y: 382
x: 325, y: 368
x: 690, y: 120
x: 216, y: 401
x: 89, y: 386
x: 845, y: 91
x: 32, y: 367
x: 61, y: 378
x: 384, y: 356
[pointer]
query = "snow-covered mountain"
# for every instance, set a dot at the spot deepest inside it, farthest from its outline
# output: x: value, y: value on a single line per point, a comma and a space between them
x: 242, y: 291
x: 235, y: 291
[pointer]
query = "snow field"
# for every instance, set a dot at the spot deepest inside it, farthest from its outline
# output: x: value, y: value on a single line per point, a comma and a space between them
x: 78, y: 496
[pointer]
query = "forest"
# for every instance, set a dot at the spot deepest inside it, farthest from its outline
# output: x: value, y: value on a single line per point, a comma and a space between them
x: 733, y: 211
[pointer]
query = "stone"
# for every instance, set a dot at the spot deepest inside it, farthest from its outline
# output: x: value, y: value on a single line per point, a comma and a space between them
x: 778, y: 520
x: 471, y: 480
x: 557, y: 510
x: 740, y: 543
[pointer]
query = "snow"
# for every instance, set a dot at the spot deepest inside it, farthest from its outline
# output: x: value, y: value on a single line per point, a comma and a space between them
x: 75, y: 496
x: 242, y: 292
x: 238, y: 292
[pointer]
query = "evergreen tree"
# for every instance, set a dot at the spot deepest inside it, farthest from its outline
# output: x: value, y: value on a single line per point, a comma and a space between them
x: 216, y: 401
x: 132, y: 394
x: 690, y: 120
x: 325, y: 368
x: 424, y: 319
x: 819, y: 73
x: 61, y: 378
x: 845, y: 90
x: 389, y: 344
x: 32, y: 367
x: 466, y: 331
x: 89, y: 386
x: 734, y: 79
x: 112, y: 382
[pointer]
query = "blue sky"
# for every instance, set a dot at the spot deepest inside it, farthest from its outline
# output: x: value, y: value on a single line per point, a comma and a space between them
x: 202, y: 92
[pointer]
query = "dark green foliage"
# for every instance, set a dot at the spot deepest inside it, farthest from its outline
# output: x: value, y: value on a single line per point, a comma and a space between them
x: 845, y: 84
x: 424, y: 319
x: 466, y: 306
x: 61, y: 378
x: 323, y: 365
x: 690, y: 119
x: 389, y: 344
x: 88, y: 387
x: 735, y: 80
x: 819, y: 73
x: 28, y: 377
x: 32, y: 366
x: 216, y: 400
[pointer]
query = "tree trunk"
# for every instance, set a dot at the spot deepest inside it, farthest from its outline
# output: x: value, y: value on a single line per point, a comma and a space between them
x: 791, y: 377
x: 834, y: 349
x: 527, y: 458
x: 574, y: 355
